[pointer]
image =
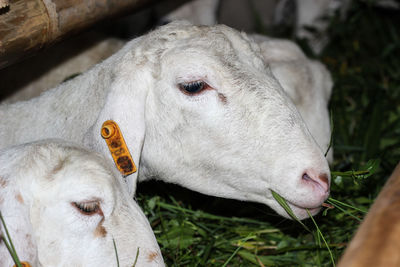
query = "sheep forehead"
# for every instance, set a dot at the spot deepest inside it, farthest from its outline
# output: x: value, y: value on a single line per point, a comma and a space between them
x: 82, y: 170
x: 68, y: 171
x: 220, y: 41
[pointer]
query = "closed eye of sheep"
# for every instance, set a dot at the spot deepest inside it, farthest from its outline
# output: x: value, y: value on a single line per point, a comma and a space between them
x: 64, y: 206
x: 198, y: 106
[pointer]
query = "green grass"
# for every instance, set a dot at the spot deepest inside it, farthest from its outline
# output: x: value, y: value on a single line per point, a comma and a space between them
x: 7, y: 240
x: 364, y: 59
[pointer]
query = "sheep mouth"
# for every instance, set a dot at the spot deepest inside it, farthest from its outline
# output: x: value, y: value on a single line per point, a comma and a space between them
x: 302, y: 211
x: 305, y: 208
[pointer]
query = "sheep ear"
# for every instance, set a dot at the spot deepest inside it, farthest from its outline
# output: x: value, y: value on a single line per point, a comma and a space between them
x: 322, y: 79
x: 16, y: 217
x: 125, y: 105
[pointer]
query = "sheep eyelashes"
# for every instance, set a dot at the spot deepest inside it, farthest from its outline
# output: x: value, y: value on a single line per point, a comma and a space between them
x: 88, y: 208
x: 193, y: 88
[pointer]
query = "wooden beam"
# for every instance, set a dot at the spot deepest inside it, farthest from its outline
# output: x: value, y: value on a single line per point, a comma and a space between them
x: 377, y: 241
x: 29, y: 25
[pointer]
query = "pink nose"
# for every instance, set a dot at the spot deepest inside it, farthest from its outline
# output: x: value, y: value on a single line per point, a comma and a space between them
x: 320, y: 181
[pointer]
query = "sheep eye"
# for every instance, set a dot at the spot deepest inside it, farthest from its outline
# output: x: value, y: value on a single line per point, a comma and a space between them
x: 193, y: 88
x: 87, y: 208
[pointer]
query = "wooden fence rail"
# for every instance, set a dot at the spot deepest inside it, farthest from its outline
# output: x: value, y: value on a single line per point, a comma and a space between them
x: 28, y: 25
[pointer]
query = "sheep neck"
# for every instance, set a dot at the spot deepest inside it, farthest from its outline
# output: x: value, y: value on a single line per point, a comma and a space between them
x: 65, y: 112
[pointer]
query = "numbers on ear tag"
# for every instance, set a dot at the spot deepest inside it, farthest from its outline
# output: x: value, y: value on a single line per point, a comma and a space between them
x: 118, y: 148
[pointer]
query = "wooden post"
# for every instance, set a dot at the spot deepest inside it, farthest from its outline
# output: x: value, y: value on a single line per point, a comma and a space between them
x: 377, y: 241
x: 28, y: 25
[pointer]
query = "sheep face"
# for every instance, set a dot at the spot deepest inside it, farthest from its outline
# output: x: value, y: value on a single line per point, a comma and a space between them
x: 218, y: 122
x: 77, y: 208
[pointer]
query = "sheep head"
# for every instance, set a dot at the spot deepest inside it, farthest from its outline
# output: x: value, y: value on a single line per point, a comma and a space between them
x: 64, y: 207
x: 203, y: 109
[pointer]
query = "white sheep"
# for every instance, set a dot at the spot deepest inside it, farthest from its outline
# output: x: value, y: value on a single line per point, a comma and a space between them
x: 198, y: 107
x: 64, y: 206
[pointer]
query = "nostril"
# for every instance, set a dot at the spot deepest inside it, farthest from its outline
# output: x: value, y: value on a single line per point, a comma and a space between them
x: 320, y: 180
x: 306, y: 177
x: 324, y: 180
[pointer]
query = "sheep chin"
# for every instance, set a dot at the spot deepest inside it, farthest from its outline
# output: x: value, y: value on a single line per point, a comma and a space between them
x: 300, y: 212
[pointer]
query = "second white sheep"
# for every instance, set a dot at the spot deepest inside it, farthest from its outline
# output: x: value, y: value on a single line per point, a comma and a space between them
x: 64, y: 206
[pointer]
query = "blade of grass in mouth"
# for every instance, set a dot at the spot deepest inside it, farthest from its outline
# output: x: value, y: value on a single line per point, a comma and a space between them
x: 287, y: 208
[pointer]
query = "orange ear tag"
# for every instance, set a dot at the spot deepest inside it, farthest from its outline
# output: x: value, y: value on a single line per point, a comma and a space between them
x: 117, y: 146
